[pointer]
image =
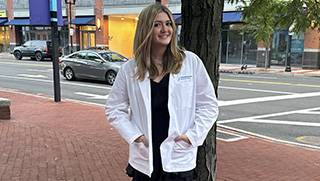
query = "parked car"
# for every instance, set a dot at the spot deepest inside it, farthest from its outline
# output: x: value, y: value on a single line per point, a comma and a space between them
x: 92, y: 64
x: 35, y: 49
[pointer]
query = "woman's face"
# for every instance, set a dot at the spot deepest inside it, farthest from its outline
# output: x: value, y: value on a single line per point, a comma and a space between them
x: 162, y: 30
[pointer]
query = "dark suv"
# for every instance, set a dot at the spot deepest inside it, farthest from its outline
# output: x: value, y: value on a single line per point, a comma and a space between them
x: 36, y: 49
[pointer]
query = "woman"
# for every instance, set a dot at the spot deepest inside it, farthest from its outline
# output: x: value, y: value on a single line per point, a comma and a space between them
x: 162, y: 102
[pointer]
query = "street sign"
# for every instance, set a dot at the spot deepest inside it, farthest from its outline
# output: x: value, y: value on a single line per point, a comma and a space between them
x: 40, y: 12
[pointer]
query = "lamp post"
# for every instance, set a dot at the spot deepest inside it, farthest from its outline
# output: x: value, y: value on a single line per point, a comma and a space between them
x: 288, y: 60
x: 71, y: 31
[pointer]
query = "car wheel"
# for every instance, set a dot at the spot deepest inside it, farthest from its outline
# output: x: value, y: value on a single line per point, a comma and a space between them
x: 69, y: 74
x: 17, y: 55
x: 38, y: 56
x: 111, y: 77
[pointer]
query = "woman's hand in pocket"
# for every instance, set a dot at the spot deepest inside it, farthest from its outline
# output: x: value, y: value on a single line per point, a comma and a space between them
x: 184, y: 138
x: 142, y: 139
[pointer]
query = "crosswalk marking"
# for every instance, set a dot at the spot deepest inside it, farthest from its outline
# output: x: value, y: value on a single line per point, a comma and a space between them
x: 92, y: 96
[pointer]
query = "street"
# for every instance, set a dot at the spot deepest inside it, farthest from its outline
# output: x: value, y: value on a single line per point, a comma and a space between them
x: 275, y: 107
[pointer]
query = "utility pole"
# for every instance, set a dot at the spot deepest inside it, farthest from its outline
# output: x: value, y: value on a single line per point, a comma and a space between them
x: 71, y: 30
x: 48, y: 13
x: 54, y: 49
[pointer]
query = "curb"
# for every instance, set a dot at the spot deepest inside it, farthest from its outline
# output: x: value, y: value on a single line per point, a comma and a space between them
x: 236, y: 72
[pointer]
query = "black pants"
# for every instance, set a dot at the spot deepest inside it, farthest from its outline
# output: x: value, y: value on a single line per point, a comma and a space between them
x: 164, y: 176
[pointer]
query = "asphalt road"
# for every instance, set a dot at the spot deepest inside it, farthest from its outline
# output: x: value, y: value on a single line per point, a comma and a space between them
x: 276, y: 107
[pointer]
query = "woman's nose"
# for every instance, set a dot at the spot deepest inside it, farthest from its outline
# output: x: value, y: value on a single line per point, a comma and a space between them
x: 163, y: 28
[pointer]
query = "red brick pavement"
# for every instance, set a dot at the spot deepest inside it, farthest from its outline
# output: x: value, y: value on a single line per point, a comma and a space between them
x: 44, y: 140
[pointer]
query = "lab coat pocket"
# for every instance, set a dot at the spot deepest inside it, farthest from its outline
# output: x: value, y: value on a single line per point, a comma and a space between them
x: 182, y: 152
x: 182, y: 145
x: 142, y: 152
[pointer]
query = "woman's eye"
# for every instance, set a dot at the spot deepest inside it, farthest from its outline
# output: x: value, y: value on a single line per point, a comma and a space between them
x: 156, y: 24
x: 168, y: 24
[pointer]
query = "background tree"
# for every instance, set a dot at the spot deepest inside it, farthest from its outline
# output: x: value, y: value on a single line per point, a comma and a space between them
x: 262, y: 18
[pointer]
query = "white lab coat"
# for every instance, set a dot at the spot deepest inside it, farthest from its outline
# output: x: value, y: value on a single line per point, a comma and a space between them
x: 193, y: 109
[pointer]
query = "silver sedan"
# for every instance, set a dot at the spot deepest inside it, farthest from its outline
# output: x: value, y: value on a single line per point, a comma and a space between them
x: 92, y: 64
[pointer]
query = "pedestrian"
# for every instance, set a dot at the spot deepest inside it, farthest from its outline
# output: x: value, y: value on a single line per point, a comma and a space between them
x: 162, y: 102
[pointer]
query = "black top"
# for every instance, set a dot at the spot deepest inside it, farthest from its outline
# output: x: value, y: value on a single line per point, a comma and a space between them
x: 160, y: 118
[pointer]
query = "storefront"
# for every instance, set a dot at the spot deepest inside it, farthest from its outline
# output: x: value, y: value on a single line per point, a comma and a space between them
x: 25, y: 32
x: 121, y: 33
x: 237, y: 46
x: 88, y: 37
x: 4, y: 36
x: 279, y: 49
x: 86, y: 31
x: 4, y: 32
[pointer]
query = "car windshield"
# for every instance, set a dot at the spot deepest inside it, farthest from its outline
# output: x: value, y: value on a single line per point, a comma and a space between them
x: 113, y: 57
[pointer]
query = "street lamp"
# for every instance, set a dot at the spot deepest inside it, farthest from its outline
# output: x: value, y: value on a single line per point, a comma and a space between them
x: 288, y: 60
x: 70, y: 2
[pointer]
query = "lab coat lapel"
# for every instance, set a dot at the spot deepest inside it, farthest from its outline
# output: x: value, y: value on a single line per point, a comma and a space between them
x: 145, y: 89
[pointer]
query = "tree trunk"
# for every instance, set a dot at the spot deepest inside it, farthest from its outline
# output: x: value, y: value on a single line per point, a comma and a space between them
x: 201, y: 34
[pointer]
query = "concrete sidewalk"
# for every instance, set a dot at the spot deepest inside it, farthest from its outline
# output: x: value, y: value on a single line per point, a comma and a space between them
x: 69, y: 140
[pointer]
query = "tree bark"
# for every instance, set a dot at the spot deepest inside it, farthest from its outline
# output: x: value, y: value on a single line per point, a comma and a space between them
x: 201, y: 34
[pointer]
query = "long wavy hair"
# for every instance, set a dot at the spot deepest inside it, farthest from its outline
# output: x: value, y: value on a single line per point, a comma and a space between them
x: 173, y: 56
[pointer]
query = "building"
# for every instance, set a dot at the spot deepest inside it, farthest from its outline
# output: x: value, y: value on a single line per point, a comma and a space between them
x: 111, y: 24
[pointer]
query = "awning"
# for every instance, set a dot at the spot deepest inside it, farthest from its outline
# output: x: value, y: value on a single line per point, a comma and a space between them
x: 2, y: 21
x: 21, y: 22
x: 83, y: 21
x: 177, y: 18
x: 231, y: 17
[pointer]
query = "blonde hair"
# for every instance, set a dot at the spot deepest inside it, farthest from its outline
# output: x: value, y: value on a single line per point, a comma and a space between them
x: 173, y: 55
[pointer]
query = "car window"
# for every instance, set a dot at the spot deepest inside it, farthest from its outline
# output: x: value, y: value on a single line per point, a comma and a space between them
x: 113, y: 57
x: 93, y: 57
x: 34, y: 43
x: 79, y: 55
x: 28, y: 43
x: 39, y: 43
x: 106, y: 56
x: 118, y: 58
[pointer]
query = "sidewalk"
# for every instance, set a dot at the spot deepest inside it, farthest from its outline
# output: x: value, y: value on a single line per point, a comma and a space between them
x: 5, y: 55
x: 72, y: 141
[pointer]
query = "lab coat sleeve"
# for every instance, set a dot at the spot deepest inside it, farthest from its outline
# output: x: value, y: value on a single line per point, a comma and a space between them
x: 206, y: 112
x: 117, y: 109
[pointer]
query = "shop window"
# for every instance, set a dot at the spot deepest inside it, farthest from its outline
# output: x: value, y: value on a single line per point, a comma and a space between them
x: 278, y: 48
x: 237, y: 47
x: 250, y: 47
x: 297, y: 48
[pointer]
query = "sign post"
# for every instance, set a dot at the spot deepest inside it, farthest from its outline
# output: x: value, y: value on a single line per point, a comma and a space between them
x: 55, y: 42
x: 49, y: 13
